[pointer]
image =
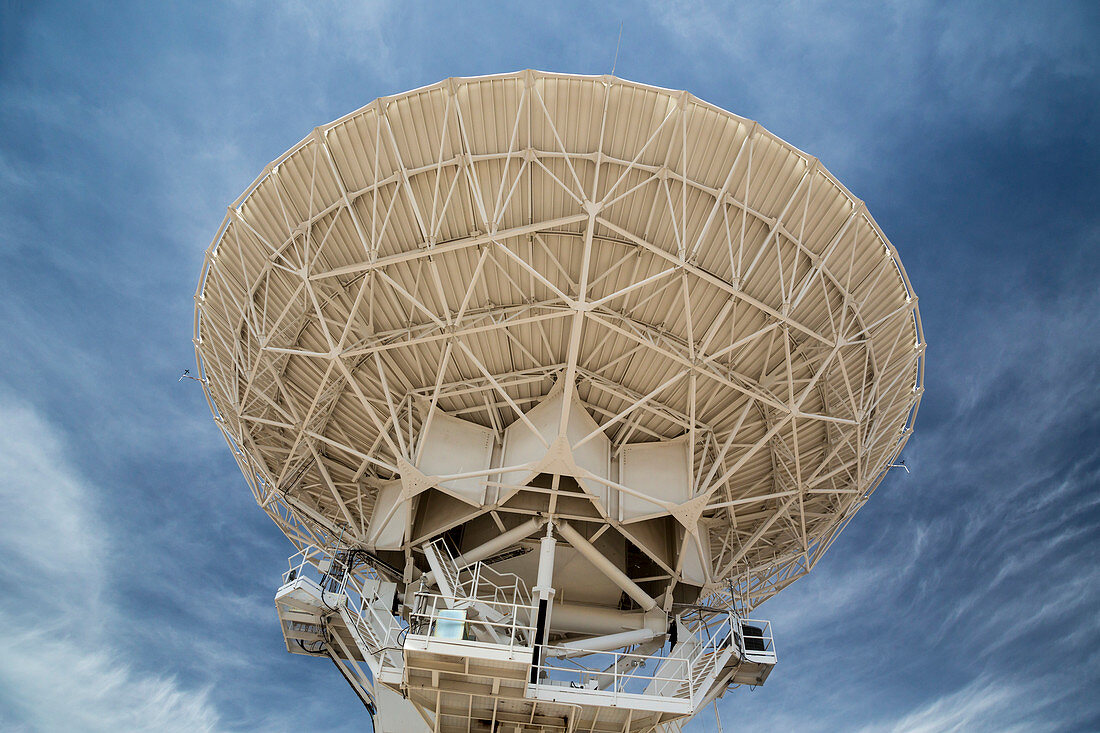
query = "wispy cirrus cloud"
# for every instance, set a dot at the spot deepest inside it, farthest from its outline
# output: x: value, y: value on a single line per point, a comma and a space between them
x: 59, y: 669
x: 983, y: 706
x: 53, y: 681
x: 138, y: 568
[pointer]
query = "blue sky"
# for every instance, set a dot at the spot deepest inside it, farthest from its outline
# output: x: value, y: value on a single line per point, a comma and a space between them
x: 138, y: 574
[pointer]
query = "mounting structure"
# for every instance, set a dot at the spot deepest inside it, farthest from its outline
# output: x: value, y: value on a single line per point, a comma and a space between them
x: 552, y: 380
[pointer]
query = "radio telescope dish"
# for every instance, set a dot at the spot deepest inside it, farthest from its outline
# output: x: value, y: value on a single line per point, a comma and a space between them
x: 504, y: 307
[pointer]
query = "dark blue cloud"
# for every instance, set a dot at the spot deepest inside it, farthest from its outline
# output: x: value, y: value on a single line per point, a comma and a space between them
x: 964, y: 596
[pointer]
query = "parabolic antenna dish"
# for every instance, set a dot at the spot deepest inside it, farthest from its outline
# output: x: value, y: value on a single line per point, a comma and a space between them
x: 567, y: 297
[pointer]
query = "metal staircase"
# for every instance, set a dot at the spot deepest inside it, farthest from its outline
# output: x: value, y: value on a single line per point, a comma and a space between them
x: 489, y: 598
x: 323, y: 604
x: 470, y: 638
x: 720, y: 649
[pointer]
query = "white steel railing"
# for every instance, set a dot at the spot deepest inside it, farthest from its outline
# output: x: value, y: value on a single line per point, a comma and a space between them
x: 496, y: 608
x: 447, y: 566
x: 712, y: 653
x: 686, y: 672
x: 618, y: 674
x: 315, y: 566
x: 381, y: 629
x: 485, y: 583
x: 753, y: 636
x: 756, y: 638
x: 437, y: 616
x: 354, y: 590
x: 478, y: 580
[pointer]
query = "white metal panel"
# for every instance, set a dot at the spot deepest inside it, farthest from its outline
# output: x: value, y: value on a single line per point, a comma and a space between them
x: 594, y: 455
x: 526, y: 441
x: 660, y: 470
x: 386, y: 530
x: 396, y: 714
x: 455, y: 446
x: 521, y: 445
x: 694, y: 566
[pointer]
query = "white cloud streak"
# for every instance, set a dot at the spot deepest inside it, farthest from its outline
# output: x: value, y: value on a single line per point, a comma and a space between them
x: 53, y: 682
x: 58, y: 668
x: 984, y: 705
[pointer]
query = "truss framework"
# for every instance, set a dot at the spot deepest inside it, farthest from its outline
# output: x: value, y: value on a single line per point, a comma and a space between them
x: 469, y: 245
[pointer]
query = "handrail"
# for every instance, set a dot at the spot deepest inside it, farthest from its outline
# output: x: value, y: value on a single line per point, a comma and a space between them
x: 484, y: 582
x: 427, y: 606
x: 685, y: 672
x: 718, y: 639
x: 766, y: 643
x: 500, y: 605
x: 347, y: 587
x: 367, y: 612
x: 619, y: 674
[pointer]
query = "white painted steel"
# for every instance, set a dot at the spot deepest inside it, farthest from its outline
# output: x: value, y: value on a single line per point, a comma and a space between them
x: 605, y: 566
x: 657, y: 469
x: 498, y: 543
x: 468, y: 245
x: 453, y: 446
x: 601, y: 643
x: 544, y: 584
x: 500, y: 300
x: 599, y: 620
